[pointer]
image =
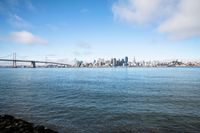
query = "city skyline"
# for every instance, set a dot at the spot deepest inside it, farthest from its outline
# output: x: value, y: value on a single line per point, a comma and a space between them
x: 87, y: 30
x: 96, y: 63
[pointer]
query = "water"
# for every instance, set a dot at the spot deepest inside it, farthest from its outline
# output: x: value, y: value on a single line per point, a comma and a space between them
x: 90, y: 100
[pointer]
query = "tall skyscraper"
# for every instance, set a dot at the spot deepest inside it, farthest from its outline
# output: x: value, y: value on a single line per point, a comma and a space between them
x: 114, y: 62
x: 126, y: 61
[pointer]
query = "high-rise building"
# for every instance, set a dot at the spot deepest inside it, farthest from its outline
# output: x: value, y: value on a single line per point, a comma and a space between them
x: 117, y: 62
x: 111, y: 61
x: 123, y: 61
x: 126, y: 61
x: 114, y: 62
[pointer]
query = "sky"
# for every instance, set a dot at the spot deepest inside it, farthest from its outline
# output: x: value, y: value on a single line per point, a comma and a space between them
x: 90, y: 29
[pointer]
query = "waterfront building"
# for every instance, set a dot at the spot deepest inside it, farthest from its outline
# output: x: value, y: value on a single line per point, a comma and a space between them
x: 114, y: 62
x: 126, y: 61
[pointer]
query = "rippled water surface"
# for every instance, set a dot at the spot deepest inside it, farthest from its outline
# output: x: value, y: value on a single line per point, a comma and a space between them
x: 90, y: 100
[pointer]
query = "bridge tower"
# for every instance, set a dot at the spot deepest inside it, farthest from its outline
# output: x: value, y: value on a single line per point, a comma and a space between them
x: 33, y: 64
x: 14, y: 60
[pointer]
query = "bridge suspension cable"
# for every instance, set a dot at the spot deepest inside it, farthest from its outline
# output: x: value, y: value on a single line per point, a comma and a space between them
x: 21, y: 56
x: 7, y: 56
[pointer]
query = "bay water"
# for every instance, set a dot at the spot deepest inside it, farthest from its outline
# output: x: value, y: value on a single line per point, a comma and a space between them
x: 90, y: 100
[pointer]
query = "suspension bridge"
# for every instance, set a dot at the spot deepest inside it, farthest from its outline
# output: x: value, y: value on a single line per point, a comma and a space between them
x: 14, y: 61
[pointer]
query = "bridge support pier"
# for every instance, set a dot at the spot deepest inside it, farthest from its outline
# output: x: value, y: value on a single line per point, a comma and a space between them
x: 14, y: 61
x: 14, y: 64
x: 33, y: 64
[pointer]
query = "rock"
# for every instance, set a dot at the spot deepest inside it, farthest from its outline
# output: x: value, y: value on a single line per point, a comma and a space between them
x: 50, y: 131
x: 39, y: 129
x: 9, y: 117
x: 9, y: 124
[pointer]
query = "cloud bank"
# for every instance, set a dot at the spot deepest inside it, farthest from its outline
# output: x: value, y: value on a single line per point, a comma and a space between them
x: 178, y: 19
x: 26, y: 37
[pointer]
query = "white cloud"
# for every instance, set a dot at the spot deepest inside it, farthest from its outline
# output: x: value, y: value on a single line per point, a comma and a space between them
x: 10, y: 10
x: 185, y: 22
x: 26, y: 37
x: 11, y: 6
x: 18, y: 22
x: 178, y: 19
x: 135, y: 11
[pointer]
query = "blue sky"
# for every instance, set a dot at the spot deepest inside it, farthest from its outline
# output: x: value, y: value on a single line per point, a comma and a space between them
x: 90, y: 29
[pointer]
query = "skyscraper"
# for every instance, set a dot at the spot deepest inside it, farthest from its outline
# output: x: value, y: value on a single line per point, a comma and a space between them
x: 114, y: 62
x: 126, y: 61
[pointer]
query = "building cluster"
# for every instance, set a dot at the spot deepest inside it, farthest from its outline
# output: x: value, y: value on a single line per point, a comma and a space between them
x: 114, y: 62
x: 124, y: 62
x: 103, y: 63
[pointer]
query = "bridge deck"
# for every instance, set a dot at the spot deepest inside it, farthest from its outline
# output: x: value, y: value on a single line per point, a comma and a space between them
x: 46, y: 62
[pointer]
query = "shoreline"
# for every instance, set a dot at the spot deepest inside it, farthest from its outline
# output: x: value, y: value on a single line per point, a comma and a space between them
x: 109, y: 67
x: 9, y: 124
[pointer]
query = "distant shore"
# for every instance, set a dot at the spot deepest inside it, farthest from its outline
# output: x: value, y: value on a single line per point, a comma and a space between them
x: 110, y: 67
x: 10, y: 124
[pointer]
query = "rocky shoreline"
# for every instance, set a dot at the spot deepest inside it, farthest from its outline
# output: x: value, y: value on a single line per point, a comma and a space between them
x: 10, y: 124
